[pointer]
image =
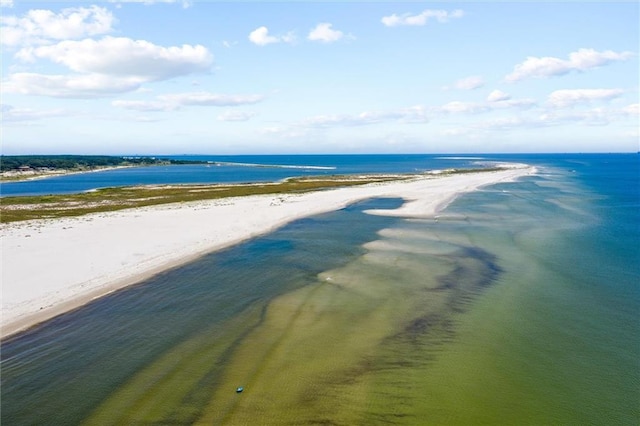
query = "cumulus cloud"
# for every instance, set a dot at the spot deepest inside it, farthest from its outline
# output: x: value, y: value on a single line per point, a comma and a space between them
x: 39, y: 26
x: 119, y: 56
x: 176, y: 101
x: 261, y: 37
x: 497, y: 96
x: 571, y: 97
x: 6, y: 3
x: 581, y: 60
x: 324, y: 33
x: 469, y: 83
x: 105, y: 67
x: 422, y: 18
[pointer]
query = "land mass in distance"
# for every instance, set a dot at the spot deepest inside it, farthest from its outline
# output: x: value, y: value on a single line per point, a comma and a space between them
x: 21, y: 167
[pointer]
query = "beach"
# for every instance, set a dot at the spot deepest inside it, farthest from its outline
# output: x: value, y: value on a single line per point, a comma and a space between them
x: 53, y: 266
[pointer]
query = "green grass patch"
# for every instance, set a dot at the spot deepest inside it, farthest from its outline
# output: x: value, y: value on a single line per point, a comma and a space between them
x: 13, y: 209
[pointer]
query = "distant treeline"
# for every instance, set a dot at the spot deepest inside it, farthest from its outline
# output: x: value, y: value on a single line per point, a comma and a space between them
x: 78, y: 162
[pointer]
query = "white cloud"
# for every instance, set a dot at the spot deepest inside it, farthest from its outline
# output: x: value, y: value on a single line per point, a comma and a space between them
x: 6, y: 3
x: 236, y: 116
x: 633, y: 109
x: 261, y: 37
x: 559, y: 117
x: 469, y: 83
x: 415, y: 114
x: 571, y: 97
x: 105, y: 67
x: 41, y: 26
x: 497, y: 96
x: 513, y: 103
x: 144, y: 106
x: 342, y: 120
x: 501, y: 101
x: 210, y: 99
x: 176, y: 101
x: 593, y: 117
x: 581, y: 60
x: 13, y: 114
x: 81, y: 86
x: 124, y: 57
x: 323, y: 32
x: 457, y: 107
x: 422, y: 18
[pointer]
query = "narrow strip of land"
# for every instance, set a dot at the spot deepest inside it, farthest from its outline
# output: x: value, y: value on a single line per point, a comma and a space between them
x: 51, y: 266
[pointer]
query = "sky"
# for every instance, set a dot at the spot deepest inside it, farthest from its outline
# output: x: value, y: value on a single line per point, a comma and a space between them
x: 133, y: 77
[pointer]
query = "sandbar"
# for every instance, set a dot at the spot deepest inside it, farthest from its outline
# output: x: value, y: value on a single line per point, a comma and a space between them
x: 52, y: 266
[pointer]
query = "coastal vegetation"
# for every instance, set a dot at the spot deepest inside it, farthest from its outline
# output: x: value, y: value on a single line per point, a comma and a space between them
x: 21, y: 167
x: 78, y: 162
x: 13, y: 209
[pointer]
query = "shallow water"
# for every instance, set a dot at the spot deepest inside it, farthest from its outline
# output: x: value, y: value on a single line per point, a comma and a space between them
x: 517, y: 305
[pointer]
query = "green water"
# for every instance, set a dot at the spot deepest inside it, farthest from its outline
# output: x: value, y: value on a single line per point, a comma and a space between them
x: 493, y: 313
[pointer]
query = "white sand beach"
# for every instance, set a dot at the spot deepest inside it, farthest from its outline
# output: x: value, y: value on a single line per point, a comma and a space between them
x: 52, y: 266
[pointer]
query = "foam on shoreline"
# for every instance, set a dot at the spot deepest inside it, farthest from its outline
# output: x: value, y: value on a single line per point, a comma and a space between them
x: 52, y: 266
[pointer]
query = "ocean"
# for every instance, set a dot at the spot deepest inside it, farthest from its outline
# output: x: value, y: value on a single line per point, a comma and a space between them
x: 517, y: 305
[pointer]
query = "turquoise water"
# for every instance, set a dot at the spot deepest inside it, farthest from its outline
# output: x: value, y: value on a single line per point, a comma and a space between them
x: 517, y: 305
x: 555, y: 339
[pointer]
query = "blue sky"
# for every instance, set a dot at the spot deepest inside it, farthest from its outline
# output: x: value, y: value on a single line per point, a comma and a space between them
x: 203, y: 77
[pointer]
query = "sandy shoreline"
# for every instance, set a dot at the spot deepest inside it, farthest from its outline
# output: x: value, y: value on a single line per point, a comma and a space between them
x: 18, y: 176
x: 53, y: 266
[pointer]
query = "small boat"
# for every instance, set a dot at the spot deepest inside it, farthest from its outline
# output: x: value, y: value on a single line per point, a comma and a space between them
x: 239, y: 390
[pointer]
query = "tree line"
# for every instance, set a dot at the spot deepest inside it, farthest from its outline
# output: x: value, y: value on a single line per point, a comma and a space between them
x: 79, y: 162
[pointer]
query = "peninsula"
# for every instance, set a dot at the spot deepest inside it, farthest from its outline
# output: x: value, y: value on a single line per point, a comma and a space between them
x: 51, y: 266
